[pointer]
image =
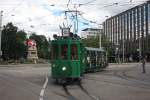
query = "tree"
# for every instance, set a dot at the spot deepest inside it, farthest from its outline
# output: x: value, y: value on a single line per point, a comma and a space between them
x: 91, y: 42
x: 21, y: 47
x: 13, y: 42
x: 9, y: 41
x: 94, y: 42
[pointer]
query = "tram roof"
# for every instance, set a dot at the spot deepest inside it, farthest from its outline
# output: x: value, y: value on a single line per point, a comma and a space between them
x: 94, y: 49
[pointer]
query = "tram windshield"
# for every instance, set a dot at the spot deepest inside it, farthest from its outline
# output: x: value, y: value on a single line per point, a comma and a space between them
x: 74, y: 52
x: 64, y: 52
x: 55, y: 51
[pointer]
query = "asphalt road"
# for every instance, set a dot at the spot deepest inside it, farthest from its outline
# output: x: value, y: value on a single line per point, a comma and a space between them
x: 117, y: 82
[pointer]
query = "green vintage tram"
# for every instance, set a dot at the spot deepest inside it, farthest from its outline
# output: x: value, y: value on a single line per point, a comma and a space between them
x: 70, y: 59
x: 67, y: 55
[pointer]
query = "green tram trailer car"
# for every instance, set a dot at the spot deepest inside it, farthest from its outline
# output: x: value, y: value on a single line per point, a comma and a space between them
x: 96, y: 59
x: 70, y: 59
x: 67, y: 59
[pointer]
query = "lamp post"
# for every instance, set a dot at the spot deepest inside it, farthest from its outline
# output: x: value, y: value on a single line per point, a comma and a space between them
x: 140, y: 51
x: 117, y: 53
x: 100, y: 40
x: 100, y: 35
x: 123, y: 50
x: 1, y: 14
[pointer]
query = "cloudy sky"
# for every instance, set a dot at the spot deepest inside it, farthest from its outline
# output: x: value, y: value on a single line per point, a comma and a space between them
x: 45, y: 16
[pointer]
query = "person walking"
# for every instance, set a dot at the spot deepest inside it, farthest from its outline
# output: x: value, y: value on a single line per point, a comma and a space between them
x: 143, y: 65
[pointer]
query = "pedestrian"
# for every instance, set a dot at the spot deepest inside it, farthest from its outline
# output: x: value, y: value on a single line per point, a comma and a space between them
x: 143, y: 65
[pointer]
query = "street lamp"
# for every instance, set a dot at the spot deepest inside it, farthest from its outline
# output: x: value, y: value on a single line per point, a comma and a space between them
x: 117, y: 52
x: 100, y: 35
x: 123, y: 50
x: 1, y: 14
x: 139, y: 50
x: 100, y: 40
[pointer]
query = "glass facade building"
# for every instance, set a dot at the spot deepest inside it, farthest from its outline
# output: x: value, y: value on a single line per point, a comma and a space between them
x: 129, y: 32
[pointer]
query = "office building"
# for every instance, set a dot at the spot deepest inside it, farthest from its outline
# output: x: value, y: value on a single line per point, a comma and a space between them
x: 129, y: 32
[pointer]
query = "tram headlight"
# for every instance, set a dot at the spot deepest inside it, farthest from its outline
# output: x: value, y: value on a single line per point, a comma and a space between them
x: 63, y: 68
x: 53, y: 65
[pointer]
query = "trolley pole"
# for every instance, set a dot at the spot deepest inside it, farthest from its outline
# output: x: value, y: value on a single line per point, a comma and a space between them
x: 1, y: 14
x: 76, y: 19
x: 100, y: 40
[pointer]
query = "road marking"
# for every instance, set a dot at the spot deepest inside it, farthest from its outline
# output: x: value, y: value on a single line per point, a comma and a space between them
x: 94, y: 97
x: 43, y: 89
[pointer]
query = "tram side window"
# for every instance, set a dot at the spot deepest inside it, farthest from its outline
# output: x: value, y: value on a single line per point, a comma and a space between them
x: 64, y: 51
x: 98, y: 57
x: 55, y: 51
x: 74, y: 52
x: 93, y: 57
x: 103, y: 57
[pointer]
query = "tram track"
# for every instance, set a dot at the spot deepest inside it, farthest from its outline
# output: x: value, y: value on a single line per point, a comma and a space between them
x: 117, y: 83
x: 86, y: 92
x: 122, y: 75
x: 134, y: 78
x: 70, y: 96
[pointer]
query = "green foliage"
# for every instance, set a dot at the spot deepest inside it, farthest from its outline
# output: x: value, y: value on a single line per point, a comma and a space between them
x: 94, y: 42
x: 13, y: 42
x: 42, y: 45
x: 91, y: 42
x: 22, y: 49
x: 13, y: 46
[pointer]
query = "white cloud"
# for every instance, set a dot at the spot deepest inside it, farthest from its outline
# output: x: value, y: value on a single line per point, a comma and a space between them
x: 45, y: 16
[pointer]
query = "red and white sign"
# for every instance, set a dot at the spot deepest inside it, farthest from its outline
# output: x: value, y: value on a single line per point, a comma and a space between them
x: 31, y: 43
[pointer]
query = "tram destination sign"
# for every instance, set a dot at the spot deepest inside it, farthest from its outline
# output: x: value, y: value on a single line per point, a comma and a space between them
x: 65, y: 32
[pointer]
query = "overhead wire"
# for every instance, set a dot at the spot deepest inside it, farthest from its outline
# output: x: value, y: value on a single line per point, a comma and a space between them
x: 71, y: 14
x: 87, y: 3
x: 109, y: 5
x: 76, y: 10
x: 18, y: 5
x: 68, y: 3
x: 80, y: 13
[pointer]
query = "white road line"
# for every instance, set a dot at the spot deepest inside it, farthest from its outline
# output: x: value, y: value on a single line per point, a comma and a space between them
x: 43, y: 89
x: 96, y: 98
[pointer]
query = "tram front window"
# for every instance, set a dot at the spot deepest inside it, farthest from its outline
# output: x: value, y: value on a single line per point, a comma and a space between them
x: 54, y: 52
x: 74, y: 52
x: 64, y: 52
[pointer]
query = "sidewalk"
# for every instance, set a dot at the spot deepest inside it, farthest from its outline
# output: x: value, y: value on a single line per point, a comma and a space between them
x: 138, y: 75
x: 133, y: 71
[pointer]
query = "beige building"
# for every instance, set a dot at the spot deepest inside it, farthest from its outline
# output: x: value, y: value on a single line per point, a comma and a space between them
x: 32, y: 53
x: 91, y: 32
